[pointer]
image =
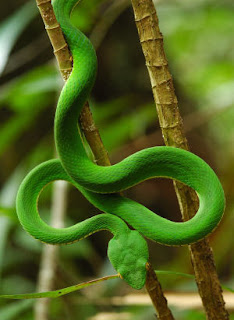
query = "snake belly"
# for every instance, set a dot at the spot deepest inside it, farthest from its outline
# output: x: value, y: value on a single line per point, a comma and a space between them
x: 127, y: 250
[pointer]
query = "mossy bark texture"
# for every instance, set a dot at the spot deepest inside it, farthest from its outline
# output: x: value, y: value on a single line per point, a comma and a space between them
x: 171, y: 124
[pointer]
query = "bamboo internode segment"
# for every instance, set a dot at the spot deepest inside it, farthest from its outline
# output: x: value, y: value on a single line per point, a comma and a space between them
x: 93, y: 137
x: 171, y: 124
x: 56, y: 37
x: 161, y: 80
x: 64, y: 60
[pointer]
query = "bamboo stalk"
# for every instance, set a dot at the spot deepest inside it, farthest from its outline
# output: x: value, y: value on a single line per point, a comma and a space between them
x: 89, y: 128
x: 171, y: 124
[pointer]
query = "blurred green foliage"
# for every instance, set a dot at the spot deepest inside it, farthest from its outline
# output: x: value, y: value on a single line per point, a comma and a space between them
x: 199, y: 46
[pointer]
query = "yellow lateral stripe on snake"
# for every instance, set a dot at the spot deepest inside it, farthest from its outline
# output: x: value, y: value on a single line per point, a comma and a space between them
x: 127, y: 250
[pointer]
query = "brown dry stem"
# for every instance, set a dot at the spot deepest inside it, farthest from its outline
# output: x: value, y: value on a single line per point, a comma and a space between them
x: 155, y: 292
x: 89, y: 128
x: 171, y: 124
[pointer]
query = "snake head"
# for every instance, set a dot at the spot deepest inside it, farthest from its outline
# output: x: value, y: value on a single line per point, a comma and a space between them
x: 128, y: 254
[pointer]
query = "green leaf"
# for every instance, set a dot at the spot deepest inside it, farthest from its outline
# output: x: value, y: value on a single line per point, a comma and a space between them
x: 58, y: 293
x: 174, y: 273
x: 12, y: 27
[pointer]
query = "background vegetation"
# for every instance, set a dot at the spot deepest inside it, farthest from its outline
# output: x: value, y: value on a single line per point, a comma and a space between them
x: 199, y: 46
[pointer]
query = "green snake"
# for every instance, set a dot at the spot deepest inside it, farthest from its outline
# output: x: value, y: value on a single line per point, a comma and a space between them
x: 127, y: 250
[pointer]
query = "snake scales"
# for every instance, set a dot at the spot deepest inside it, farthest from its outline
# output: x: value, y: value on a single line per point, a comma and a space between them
x: 127, y: 250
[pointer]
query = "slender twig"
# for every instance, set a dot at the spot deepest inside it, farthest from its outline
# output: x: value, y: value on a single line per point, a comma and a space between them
x: 59, y: 292
x: 87, y: 124
x: 172, y: 129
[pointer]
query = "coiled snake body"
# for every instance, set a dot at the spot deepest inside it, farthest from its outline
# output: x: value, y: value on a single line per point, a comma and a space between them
x: 127, y: 250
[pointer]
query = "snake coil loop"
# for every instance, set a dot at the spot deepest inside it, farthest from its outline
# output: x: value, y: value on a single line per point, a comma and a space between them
x: 127, y: 250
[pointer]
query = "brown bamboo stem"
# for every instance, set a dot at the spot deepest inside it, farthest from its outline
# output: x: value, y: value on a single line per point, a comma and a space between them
x: 171, y: 124
x: 56, y: 37
x: 90, y: 130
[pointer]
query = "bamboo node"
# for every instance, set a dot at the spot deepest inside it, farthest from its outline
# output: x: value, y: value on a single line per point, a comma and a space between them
x: 144, y: 16
x: 66, y: 69
x: 170, y: 126
x: 43, y: 2
x: 61, y: 48
x: 151, y: 39
x: 49, y: 27
x: 157, y: 65
x: 162, y: 82
x: 103, y: 157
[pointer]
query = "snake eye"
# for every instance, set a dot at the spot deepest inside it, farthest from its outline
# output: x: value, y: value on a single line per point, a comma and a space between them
x: 129, y: 254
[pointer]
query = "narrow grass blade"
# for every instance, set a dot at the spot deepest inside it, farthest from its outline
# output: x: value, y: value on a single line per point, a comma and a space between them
x: 58, y: 293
